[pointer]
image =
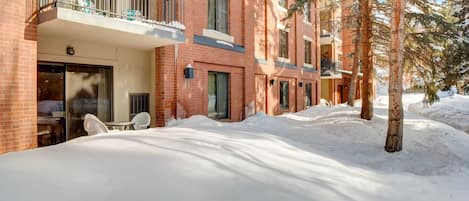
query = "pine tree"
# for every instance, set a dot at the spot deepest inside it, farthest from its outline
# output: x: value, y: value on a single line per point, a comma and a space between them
x: 396, y: 111
x: 355, y: 64
x: 366, y: 60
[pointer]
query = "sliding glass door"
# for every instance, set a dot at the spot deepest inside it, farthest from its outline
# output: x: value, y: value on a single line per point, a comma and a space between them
x: 218, y: 96
x: 88, y: 90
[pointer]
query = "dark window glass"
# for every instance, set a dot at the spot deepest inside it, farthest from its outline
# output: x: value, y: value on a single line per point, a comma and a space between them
x: 307, y: 52
x: 218, y: 96
x: 308, y: 95
x: 282, y: 3
x: 218, y: 15
x: 283, y: 50
x: 284, y: 95
x: 307, y: 12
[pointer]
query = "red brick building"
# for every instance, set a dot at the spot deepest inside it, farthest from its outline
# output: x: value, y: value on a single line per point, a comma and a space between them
x: 226, y: 59
x: 286, y: 58
x: 337, y: 48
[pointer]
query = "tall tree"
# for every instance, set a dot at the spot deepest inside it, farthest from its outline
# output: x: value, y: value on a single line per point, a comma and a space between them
x: 396, y: 112
x: 355, y: 66
x: 366, y: 60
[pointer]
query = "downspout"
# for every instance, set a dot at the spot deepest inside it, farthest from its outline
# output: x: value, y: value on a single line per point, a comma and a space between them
x: 176, y: 48
x: 266, y: 32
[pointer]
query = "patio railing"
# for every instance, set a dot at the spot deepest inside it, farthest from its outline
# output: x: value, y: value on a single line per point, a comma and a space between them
x: 329, y: 67
x: 163, y: 12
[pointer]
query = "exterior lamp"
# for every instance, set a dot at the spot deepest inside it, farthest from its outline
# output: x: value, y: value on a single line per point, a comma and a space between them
x: 188, y: 72
x: 70, y: 51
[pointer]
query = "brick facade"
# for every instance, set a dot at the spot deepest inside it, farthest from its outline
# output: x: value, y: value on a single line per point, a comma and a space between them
x: 270, y: 70
x: 178, y: 97
x: 18, y: 57
x: 252, y: 63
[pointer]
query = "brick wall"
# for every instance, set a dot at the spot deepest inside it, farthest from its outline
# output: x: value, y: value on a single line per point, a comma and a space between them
x: 348, y: 35
x: 191, y: 97
x: 268, y: 20
x: 18, y: 53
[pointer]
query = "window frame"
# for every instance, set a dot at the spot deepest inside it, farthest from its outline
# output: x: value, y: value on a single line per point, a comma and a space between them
x: 284, y: 105
x: 283, y: 3
x: 215, y: 22
x: 307, y: 13
x: 310, y: 97
x: 283, y: 53
x: 308, y: 59
x: 228, y: 96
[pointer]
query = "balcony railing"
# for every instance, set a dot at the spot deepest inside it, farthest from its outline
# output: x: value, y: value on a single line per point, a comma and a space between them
x: 160, y: 12
x: 329, y: 67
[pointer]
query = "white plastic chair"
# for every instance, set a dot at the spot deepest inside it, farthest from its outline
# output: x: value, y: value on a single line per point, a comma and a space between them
x: 141, y: 121
x: 93, y: 125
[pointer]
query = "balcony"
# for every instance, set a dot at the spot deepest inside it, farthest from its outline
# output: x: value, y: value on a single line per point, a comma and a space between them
x: 330, y: 32
x: 140, y: 24
x: 330, y: 68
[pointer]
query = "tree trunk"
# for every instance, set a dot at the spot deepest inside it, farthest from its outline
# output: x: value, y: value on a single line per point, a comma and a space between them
x: 356, y: 56
x: 396, y: 112
x: 367, y: 65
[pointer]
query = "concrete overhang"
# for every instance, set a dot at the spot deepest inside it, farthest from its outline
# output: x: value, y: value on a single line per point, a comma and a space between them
x: 76, y: 25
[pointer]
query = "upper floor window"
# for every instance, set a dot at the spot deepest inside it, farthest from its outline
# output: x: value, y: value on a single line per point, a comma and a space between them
x: 308, y: 52
x: 307, y: 12
x: 282, y: 3
x: 218, y: 15
x: 283, y: 43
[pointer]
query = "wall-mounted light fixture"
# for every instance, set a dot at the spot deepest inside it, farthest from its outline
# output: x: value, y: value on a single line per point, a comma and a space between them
x: 271, y: 82
x: 70, y: 51
x: 189, y: 72
x: 300, y: 84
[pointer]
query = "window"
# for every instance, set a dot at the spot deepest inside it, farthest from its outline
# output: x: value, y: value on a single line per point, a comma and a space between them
x: 139, y: 103
x: 307, y: 12
x: 282, y: 3
x: 308, y: 52
x: 218, y: 96
x: 283, y: 49
x: 218, y: 15
x: 308, y: 95
x: 284, y: 95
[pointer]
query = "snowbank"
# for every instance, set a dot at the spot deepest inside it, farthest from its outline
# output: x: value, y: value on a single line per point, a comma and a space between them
x: 451, y: 110
x: 324, y: 153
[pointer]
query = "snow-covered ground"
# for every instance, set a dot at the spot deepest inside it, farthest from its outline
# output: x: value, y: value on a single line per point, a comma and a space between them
x: 451, y: 110
x: 323, y: 153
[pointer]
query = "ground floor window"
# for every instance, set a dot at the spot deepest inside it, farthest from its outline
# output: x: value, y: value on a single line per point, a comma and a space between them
x: 308, y: 95
x: 218, y: 95
x: 284, y: 95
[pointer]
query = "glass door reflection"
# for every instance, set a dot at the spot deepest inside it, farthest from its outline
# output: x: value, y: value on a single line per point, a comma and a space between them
x: 88, y: 91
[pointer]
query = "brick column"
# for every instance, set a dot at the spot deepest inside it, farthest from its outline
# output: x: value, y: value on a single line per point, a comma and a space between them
x: 165, y: 84
x: 18, y: 69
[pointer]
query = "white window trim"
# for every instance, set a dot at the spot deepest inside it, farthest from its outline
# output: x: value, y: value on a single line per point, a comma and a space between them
x: 210, y: 33
x: 308, y: 65
x: 283, y: 59
x: 282, y: 9
x: 283, y: 27
x: 308, y: 38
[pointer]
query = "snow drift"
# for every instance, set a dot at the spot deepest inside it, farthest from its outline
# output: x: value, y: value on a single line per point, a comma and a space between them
x: 324, y: 153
